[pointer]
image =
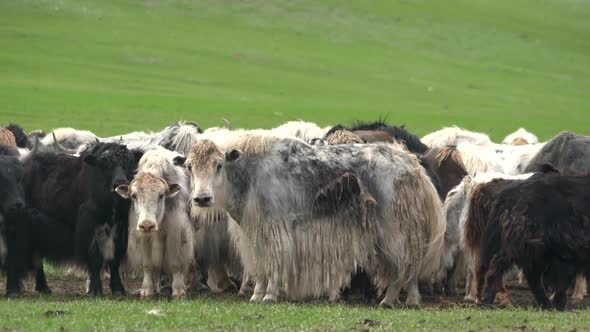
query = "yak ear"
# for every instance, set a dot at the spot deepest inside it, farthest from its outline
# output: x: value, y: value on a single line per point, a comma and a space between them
x: 123, y: 191
x: 233, y: 155
x: 173, y: 189
x: 179, y: 160
x: 90, y: 159
x: 549, y: 168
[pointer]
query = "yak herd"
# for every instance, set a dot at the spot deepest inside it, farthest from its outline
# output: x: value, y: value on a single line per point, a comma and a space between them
x: 299, y: 212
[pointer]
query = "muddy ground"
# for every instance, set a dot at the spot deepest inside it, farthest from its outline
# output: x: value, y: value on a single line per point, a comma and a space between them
x: 67, y: 288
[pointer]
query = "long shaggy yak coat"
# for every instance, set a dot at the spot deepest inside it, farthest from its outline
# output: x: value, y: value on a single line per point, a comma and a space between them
x: 316, y: 214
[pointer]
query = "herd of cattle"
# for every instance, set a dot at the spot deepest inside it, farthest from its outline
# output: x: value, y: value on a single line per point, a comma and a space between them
x: 298, y: 211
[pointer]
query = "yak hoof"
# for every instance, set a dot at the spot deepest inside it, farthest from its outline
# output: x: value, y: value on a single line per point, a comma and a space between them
x: 13, y: 293
x: 577, y: 299
x: 256, y: 298
x: 118, y: 292
x: 146, y: 294
x: 387, y: 305
x: 269, y: 298
x: 179, y: 293
x: 43, y: 290
x: 470, y: 298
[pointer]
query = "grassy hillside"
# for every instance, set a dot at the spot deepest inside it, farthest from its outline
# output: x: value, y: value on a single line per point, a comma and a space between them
x: 117, y: 66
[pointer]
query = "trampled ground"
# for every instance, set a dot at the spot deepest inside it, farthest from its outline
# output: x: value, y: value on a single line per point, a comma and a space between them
x: 114, y: 66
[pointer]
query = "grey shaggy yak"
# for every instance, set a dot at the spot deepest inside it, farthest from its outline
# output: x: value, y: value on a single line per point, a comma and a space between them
x: 315, y: 214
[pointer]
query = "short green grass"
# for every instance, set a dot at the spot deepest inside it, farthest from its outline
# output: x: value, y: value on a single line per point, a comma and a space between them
x: 115, y: 66
x: 213, y: 313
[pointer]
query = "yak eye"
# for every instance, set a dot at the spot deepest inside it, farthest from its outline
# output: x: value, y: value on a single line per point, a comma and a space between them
x: 218, y: 167
x: 161, y: 196
x: 134, y: 196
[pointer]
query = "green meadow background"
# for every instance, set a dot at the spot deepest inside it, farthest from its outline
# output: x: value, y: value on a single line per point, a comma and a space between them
x: 114, y: 66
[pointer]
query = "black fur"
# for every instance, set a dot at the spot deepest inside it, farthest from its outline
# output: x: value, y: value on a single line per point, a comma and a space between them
x: 22, y: 140
x: 399, y: 134
x: 71, y: 199
x: 542, y: 225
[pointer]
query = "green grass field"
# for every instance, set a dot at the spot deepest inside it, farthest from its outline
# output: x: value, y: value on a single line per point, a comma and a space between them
x: 118, y: 66
x: 114, y: 66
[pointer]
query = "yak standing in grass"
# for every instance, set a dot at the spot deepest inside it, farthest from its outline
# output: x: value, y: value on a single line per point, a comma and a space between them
x: 72, y: 215
x: 316, y: 214
x: 542, y: 225
x: 12, y: 195
x: 160, y: 232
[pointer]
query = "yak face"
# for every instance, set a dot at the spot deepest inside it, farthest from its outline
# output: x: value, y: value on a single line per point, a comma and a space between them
x: 112, y: 164
x: 11, y: 189
x: 205, y: 162
x: 148, y: 194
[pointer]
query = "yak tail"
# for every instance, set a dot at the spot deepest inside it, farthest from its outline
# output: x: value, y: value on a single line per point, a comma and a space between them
x: 431, y: 206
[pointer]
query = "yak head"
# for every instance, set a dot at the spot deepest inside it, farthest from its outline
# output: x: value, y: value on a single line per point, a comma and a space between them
x: 112, y: 165
x: 12, y: 171
x: 148, y: 194
x: 205, y: 161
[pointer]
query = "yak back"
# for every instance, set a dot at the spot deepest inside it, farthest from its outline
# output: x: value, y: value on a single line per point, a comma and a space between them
x: 568, y: 152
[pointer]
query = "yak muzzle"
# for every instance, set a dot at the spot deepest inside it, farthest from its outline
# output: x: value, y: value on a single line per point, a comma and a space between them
x: 147, y: 227
x: 203, y: 200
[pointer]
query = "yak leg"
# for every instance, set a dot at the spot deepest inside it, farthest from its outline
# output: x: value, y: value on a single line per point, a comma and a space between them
x: 259, y: 289
x: 272, y: 290
x: 413, y: 298
x: 147, y: 285
x: 218, y: 279
x: 392, y: 295
x: 560, y: 299
x: 536, y: 285
x: 178, y: 286
x: 580, y: 288
x: 471, y: 284
x: 116, y: 284
x: 502, y: 296
x: 245, y: 286
x: 94, y: 267
x: 40, y: 280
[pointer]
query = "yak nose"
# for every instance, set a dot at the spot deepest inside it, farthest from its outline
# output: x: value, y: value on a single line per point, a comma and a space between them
x: 147, y: 227
x: 203, y: 200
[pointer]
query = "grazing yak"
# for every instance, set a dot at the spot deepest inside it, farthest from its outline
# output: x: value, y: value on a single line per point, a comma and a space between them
x: 20, y: 137
x: 315, y: 214
x: 542, y: 225
x: 7, y: 138
x: 568, y: 152
x: 455, y: 136
x: 160, y: 232
x: 69, y: 139
x: 521, y: 137
x: 460, y: 254
x: 72, y: 214
x: 379, y: 131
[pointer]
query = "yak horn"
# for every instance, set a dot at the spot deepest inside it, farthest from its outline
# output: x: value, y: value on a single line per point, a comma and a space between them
x: 33, y: 151
x: 227, y: 123
x: 60, y: 148
x: 196, y: 125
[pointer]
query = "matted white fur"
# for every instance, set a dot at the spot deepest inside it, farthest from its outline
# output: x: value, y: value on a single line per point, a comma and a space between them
x: 170, y: 248
x: 399, y: 242
x: 454, y: 136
